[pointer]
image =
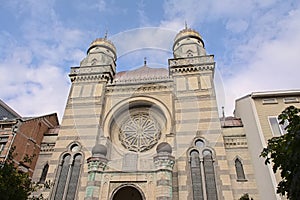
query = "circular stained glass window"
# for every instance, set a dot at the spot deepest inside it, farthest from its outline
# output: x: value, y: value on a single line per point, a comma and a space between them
x: 139, y: 132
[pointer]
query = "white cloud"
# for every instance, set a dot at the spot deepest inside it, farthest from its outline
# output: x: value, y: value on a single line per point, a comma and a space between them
x: 237, y: 26
x: 273, y: 64
x: 152, y: 42
x: 263, y: 57
x: 33, y: 71
x: 260, y: 42
x: 32, y: 90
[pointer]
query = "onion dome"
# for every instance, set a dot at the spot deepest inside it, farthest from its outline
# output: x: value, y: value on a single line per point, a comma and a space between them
x: 164, y: 147
x: 142, y: 73
x: 99, y: 150
x: 103, y: 42
x: 188, y: 33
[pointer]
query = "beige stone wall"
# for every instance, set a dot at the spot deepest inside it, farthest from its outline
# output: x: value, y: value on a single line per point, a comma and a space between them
x: 196, y: 116
x: 265, y: 110
x: 237, y: 147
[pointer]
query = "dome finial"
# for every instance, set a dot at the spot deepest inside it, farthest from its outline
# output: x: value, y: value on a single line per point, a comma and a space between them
x: 185, y: 25
x: 105, y: 35
x: 145, y: 61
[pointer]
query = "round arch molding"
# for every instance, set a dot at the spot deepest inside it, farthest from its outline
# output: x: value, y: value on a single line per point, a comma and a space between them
x: 140, y: 102
x: 127, y: 191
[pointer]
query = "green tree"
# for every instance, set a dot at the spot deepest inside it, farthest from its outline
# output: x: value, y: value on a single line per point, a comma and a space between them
x: 284, y: 153
x: 15, y: 185
x: 245, y: 197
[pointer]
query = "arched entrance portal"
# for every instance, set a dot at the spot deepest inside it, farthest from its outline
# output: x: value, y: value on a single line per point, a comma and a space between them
x: 127, y: 193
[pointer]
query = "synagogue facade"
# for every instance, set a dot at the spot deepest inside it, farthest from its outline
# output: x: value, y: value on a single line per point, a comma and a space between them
x: 149, y: 133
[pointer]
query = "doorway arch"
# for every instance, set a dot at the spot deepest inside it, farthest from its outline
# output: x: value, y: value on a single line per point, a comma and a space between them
x: 128, y: 191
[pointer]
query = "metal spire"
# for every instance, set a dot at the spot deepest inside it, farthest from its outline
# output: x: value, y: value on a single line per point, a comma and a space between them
x: 105, y: 35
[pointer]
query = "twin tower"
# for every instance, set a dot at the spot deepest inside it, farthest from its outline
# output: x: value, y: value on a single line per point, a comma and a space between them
x: 149, y: 133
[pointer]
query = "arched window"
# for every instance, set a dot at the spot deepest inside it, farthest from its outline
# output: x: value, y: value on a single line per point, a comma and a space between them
x: 75, y: 170
x: 209, y: 172
x: 199, y: 143
x: 202, y: 172
x: 239, y: 170
x: 44, y: 173
x: 63, y: 175
x: 189, y: 53
x: 196, y: 175
x: 68, y: 174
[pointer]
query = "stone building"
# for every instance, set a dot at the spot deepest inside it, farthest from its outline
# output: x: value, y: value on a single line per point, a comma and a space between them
x: 24, y: 134
x: 148, y: 133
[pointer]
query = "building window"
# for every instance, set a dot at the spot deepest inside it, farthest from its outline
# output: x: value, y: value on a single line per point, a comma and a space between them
x: 291, y: 100
x: 3, y: 141
x: 63, y: 175
x: 189, y: 53
x: 269, y: 101
x: 75, y: 171
x: 68, y: 174
x: 2, y: 145
x: 209, y: 174
x: 202, y: 172
x: 277, y: 129
x: 199, y: 143
x: 196, y: 175
x: 239, y: 170
x: 44, y: 173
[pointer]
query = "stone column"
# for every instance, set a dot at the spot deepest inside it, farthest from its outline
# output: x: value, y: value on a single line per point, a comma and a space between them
x: 96, y: 165
x: 164, y: 163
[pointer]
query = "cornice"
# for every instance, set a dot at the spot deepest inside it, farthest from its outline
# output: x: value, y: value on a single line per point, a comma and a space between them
x: 198, y: 60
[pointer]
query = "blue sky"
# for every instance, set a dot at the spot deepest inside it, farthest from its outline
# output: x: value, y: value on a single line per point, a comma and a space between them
x: 256, y: 44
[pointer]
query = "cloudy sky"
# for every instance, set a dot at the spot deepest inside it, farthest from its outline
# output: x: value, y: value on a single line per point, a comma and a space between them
x: 256, y: 44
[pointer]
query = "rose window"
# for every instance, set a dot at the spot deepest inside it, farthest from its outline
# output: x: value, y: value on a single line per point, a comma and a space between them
x: 140, y: 132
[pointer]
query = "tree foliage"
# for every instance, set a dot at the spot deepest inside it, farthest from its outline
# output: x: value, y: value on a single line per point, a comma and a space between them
x: 15, y: 185
x: 245, y: 197
x: 284, y: 153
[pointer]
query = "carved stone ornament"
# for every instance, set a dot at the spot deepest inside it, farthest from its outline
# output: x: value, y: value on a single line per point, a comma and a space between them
x: 139, y: 132
x: 97, y: 164
x: 164, y: 162
x: 199, y: 60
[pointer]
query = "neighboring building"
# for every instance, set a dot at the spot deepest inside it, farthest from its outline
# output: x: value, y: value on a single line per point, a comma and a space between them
x: 24, y: 134
x: 149, y: 133
x: 8, y: 118
x: 46, y: 149
x: 259, y: 112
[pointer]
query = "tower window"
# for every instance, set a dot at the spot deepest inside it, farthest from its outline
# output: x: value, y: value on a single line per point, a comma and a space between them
x: 196, y: 175
x: 189, y: 53
x: 63, y: 174
x: 209, y: 171
x: 75, y: 171
x: 239, y: 170
x: 68, y: 174
x: 203, y: 172
x: 199, y: 143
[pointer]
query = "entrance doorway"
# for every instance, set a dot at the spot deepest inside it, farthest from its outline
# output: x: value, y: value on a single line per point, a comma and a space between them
x: 127, y: 193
